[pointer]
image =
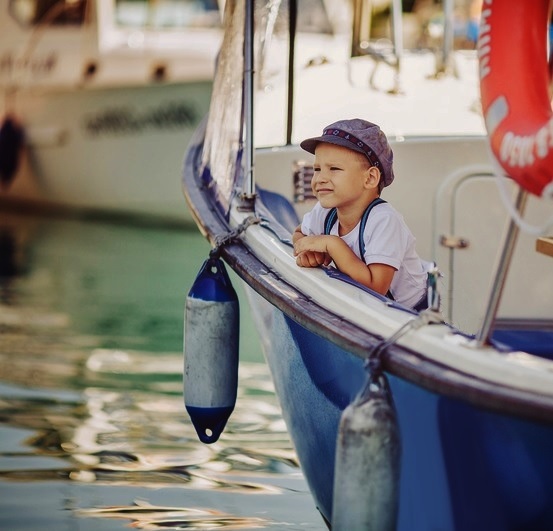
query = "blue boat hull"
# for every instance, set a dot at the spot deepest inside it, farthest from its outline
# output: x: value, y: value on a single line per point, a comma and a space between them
x: 462, y: 467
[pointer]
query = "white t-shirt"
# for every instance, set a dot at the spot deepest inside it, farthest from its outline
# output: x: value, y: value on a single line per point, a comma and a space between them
x: 388, y: 240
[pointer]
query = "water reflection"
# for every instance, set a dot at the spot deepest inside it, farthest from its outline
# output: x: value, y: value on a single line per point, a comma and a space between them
x: 149, y: 517
x: 91, y: 382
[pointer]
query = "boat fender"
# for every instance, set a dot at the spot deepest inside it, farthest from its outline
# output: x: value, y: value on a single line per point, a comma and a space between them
x: 211, y: 350
x: 513, y: 41
x: 367, y: 467
x: 11, y: 144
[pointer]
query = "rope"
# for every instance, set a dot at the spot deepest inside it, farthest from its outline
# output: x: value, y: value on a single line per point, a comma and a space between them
x: 224, y: 239
x: 373, y: 363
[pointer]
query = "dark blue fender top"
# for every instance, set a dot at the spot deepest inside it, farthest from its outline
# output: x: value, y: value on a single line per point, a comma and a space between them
x: 213, y: 283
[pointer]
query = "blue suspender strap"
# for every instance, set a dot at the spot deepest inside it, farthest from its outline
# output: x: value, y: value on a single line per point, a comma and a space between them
x: 363, y: 223
x: 330, y: 219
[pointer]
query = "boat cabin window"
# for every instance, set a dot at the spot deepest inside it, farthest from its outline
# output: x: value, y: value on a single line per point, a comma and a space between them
x: 48, y: 12
x: 168, y: 13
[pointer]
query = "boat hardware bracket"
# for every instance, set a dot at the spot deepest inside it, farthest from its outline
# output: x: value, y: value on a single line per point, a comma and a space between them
x: 224, y: 239
x: 453, y: 242
x: 247, y: 202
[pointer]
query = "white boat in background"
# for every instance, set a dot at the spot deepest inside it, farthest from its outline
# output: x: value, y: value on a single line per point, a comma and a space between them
x: 401, y: 420
x: 107, y: 94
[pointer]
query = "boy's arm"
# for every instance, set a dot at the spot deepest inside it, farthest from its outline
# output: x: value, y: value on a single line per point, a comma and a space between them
x: 377, y: 277
x: 309, y: 258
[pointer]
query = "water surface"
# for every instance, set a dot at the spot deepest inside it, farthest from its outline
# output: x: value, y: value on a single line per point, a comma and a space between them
x: 93, y: 430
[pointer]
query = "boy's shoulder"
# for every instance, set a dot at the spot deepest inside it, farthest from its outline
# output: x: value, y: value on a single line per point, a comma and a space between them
x: 385, y: 218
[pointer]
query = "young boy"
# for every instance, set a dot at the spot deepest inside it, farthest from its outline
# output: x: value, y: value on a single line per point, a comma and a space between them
x: 353, y: 162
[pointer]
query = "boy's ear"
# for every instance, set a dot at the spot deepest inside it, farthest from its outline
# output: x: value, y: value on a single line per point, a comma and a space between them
x: 372, y: 177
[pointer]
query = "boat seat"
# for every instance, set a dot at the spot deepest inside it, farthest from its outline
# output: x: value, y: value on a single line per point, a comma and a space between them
x: 276, y: 207
x: 537, y: 342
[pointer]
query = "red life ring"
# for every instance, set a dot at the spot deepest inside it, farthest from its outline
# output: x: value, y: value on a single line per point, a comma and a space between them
x: 514, y: 87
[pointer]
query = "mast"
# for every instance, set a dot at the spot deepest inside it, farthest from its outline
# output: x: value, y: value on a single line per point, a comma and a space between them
x: 292, y: 22
x: 248, y: 193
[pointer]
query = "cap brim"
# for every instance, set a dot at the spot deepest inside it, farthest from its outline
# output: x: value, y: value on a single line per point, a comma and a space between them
x: 310, y: 144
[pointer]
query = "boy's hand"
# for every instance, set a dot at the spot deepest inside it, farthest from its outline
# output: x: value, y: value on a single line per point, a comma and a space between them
x: 311, y: 251
x: 312, y: 259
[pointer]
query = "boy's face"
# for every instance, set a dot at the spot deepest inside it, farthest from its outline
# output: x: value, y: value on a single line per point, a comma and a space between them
x: 341, y: 177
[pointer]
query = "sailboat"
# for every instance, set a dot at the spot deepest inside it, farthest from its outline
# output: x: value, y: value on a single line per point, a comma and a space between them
x: 98, y: 100
x: 438, y: 419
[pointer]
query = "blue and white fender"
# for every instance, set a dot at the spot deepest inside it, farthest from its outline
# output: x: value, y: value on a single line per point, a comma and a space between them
x: 211, y: 337
x: 367, y: 468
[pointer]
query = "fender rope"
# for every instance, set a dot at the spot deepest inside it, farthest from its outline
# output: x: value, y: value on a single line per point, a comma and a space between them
x: 224, y: 239
x: 373, y: 363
